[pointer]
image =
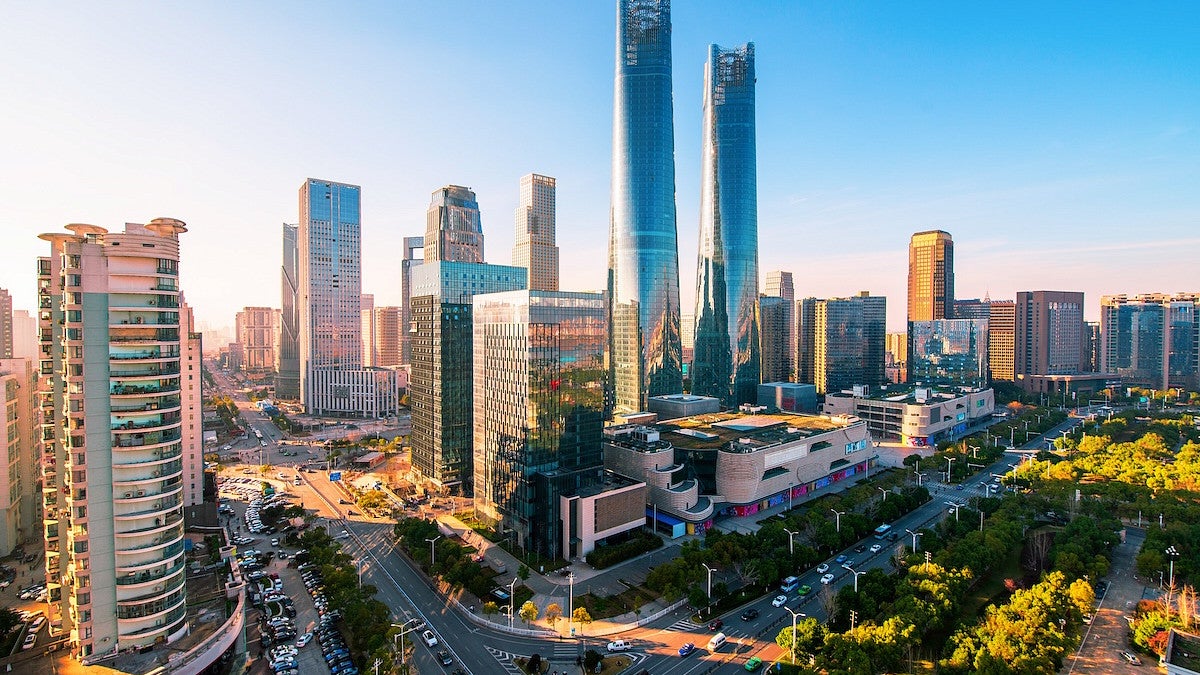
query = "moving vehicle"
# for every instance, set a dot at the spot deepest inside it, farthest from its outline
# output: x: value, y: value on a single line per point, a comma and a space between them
x: 789, y: 584
x: 687, y: 648
x: 779, y: 601
x: 717, y: 641
x: 429, y: 638
x: 804, y: 590
x: 822, y: 568
x: 827, y: 579
x: 715, y: 624
x: 750, y: 614
x: 619, y: 646
x: 881, y: 532
x: 876, y: 548
x: 754, y: 664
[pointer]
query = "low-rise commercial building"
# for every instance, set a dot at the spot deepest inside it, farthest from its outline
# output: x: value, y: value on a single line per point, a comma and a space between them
x: 734, y: 463
x: 916, y: 416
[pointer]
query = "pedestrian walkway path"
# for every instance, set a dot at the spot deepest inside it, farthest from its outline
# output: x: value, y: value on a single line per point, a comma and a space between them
x: 684, y: 626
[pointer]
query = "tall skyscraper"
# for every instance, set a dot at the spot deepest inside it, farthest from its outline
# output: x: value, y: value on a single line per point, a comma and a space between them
x: 1152, y: 340
x: 411, y: 246
x: 779, y: 285
x: 333, y: 380
x: 1002, y: 336
x: 440, y: 390
x: 255, y: 329
x: 643, y: 247
x: 931, y: 276
x: 539, y: 440
x: 18, y: 480
x: 896, y: 358
x: 453, y: 228
x: 387, y: 336
x: 6, y: 325
x: 948, y: 352
x: 843, y: 341
x: 287, y: 379
x: 534, y: 248
x: 973, y: 308
x: 114, y: 417
x: 805, y: 321
x: 727, y: 362
x: 1048, y: 337
x: 366, y: 310
x: 776, y: 318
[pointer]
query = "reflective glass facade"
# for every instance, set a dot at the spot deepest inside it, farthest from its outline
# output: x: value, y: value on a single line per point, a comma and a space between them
x: 949, y: 352
x: 453, y: 227
x: 287, y: 380
x: 645, y: 354
x: 539, y: 381
x: 727, y: 363
x: 1152, y: 340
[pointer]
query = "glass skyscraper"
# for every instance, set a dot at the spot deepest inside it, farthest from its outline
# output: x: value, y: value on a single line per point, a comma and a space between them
x: 645, y: 354
x: 453, y: 227
x: 727, y: 361
x: 948, y: 352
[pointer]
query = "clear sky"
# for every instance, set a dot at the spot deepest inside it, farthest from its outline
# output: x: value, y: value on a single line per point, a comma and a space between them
x: 1058, y: 142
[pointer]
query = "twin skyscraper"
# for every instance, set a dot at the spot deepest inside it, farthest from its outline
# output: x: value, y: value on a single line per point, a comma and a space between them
x: 643, y: 270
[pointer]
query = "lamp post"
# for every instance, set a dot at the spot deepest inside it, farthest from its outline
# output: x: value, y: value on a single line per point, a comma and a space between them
x: 710, y: 571
x: 914, y: 536
x: 949, y: 462
x: 919, y: 477
x: 956, y: 506
x: 404, y: 630
x: 432, y: 551
x: 791, y: 541
x: 512, y: 600
x: 851, y: 569
x: 795, y: 615
x: 1172, y: 553
x: 839, y: 515
x: 571, y: 603
x: 885, y: 493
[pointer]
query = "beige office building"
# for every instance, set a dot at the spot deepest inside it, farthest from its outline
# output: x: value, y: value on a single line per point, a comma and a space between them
x: 256, y: 332
x: 535, y: 249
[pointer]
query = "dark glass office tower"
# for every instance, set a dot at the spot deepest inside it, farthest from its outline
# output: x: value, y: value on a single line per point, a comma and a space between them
x: 645, y: 354
x: 727, y: 363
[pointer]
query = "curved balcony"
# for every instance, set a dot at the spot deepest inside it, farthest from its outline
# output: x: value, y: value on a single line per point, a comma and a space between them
x: 163, y: 525
x: 133, y: 373
x: 169, y: 405
x: 159, y: 458
x: 161, y: 592
x: 146, y: 440
x: 132, y: 577
x: 122, y: 391
x: 143, y: 356
x: 148, y: 337
x: 169, y: 536
x: 153, y: 565
x: 123, y: 484
x: 162, y: 612
x: 168, y: 488
x: 168, y: 503
x: 135, y: 317
x: 167, y: 421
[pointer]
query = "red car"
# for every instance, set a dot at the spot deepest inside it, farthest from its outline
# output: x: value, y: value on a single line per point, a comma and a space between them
x: 716, y: 624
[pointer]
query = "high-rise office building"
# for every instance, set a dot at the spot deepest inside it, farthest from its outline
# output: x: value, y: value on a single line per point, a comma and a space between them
x: 843, y: 341
x: 440, y: 391
x: 896, y: 357
x: 687, y: 339
x: 1092, y: 331
x: 6, y: 325
x: 25, y: 335
x: 535, y: 249
x: 453, y: 228
x: 387, y: 336
x: 366, y: 310
x: 779, y: 285
x: 1002, y: 327
x: 931, y: 276
x: 805, y: 321
x: 973, y: 308
x: 333, y: 380
x: 776, y: 317
x: 643, y: 248
x: 255, y: 328
x: 411, y: 246
x: 948, y: 352
x: 18, y: 480
x: 287, y: 378
x: 1152, y: 340
x: 1048, y: 336
x: 539, y: 408
x: 727, y: 362
x: 115, y: 427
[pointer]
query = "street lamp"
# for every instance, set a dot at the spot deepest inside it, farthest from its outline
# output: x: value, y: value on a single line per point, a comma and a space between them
x: 791, y: 541
x: 432, y: 551
x: 795, y: 615
x: 710, y: 571
x: 839, y: 515
x: 949, y: 475
x: 885, y: 493
x: 404, y: 630
x: 914, y: 536
x: 956, y: 507
x: 919, y: 477
x: 512, y: 600
x: 851, y: 569
x: 571, y: 603
x: 1172, y: 553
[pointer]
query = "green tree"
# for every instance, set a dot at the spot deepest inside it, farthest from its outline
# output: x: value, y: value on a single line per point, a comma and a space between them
x: 490, y: 608
x: 523, y: 572
x: 528, y: 612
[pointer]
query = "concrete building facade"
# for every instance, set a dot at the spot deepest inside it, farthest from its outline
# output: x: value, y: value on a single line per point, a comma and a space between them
x: 1048, y: 335
x: 916, y: 416
x: 19, y: 497
x: 256, y: 330
x: 1002, y: 335
x: 534, y: 247
x: 1152, y: 340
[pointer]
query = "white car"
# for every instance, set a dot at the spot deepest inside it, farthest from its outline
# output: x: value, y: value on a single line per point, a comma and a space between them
x: 429, y: 638
x: 876, y: 548
x: 822, y: 568
x: 779, y: 601
x: 827, y: 579
x: 619, y: 646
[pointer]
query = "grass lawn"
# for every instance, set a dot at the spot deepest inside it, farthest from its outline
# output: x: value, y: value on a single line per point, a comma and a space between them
x: 992, y: 589
x: 613, y: 605
x: 614, y: 664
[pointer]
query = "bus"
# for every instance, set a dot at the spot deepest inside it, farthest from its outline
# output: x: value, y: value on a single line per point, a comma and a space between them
x: 789, y: 584
x: 882, y: 531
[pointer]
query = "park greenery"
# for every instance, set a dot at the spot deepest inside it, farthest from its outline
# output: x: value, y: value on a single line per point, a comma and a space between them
x: 638, y: 543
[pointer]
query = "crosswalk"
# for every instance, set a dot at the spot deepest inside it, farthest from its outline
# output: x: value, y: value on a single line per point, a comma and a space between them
x: 684, y: 626
x: 561, y: 653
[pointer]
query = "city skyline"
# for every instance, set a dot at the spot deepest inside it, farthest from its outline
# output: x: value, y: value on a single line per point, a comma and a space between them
x: 1053, y: 143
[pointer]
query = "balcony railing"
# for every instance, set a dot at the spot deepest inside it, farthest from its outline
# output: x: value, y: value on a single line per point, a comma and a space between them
x: 150, y: 609
x: 164, y: 505
x: 135, y: 578
x: 141, y: 356
x: 155, y: 405
x: 153, y: 438
x: 170, y: 520
x: 165, y: 555
x: 149, y: 371
x: 126, y: 390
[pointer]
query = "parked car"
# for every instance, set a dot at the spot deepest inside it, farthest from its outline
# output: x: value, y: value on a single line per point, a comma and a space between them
x: 1131, y: 658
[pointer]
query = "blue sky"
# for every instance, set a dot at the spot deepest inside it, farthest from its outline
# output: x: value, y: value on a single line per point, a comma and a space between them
x: 1058, y: 142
